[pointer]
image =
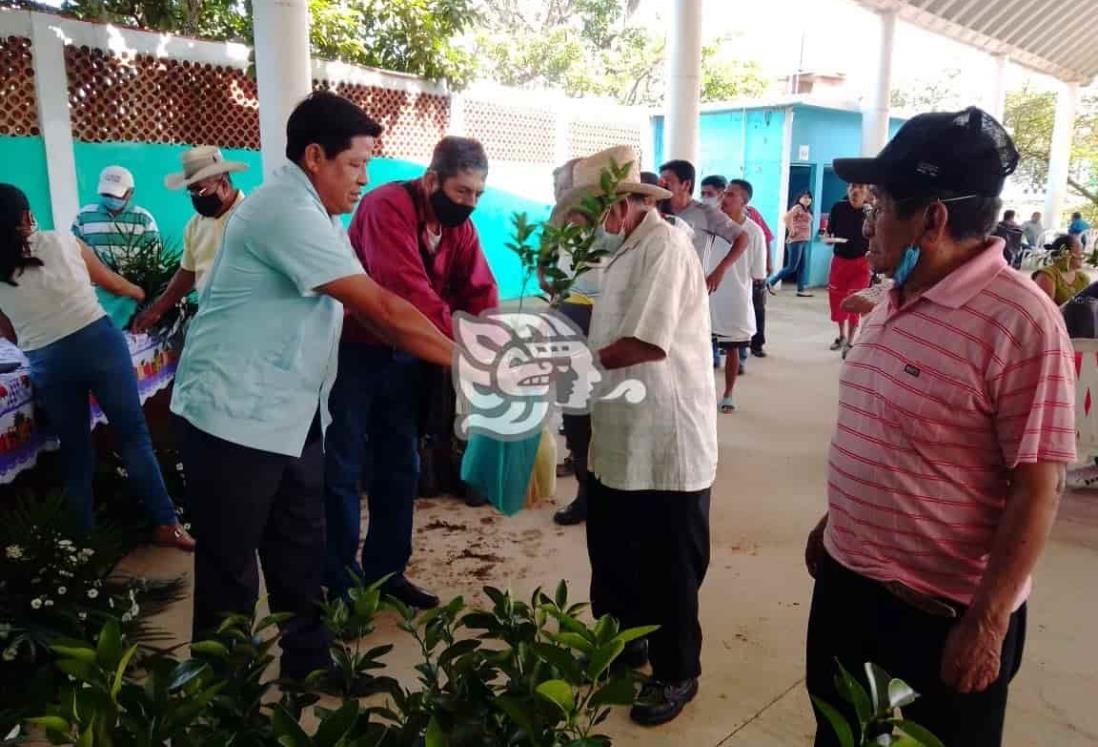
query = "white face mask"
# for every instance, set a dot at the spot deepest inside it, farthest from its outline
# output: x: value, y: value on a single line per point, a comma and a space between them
x: 712, y: 201
x: 608, y: 242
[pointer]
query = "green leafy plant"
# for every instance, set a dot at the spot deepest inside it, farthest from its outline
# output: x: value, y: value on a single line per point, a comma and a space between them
x: 350, y: 622
x: 574, y: 240
x: 880, y: 721
x: 57, y: 584
x: 149, y: 261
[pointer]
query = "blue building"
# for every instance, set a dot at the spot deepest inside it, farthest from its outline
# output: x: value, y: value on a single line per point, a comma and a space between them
x: 783, y: 147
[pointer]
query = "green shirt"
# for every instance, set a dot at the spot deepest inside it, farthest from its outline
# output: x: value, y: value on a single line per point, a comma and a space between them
x: 261, y: 354
x: 114, y: 237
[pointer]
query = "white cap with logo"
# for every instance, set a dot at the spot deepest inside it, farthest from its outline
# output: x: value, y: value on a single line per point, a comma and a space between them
x: 115, y: 181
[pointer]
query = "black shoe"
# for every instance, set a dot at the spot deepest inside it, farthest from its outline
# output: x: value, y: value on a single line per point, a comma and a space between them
x: 635, y: 655
x: 661, y: 702
x: 567, y: 468
x: 474, y: 498
x: 758, y: 352
x: 574, y: 513
x: 399, y: 587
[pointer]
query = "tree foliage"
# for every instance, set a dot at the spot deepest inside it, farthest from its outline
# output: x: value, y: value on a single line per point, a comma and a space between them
x: 1030, y: 116
x: 594, y: 47
x: 411, y: 36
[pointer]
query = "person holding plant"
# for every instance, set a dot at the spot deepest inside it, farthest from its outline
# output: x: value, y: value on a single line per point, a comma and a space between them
x: 260, y: 359
x: 1064, y: 278
x: 75, y: 352
x: 652, y: 464
x: 955, y: 426
x: 207, y: 177
x: 115, y: 228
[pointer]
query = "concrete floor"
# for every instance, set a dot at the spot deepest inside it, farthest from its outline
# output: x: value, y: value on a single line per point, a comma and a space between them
x: 770, y: 491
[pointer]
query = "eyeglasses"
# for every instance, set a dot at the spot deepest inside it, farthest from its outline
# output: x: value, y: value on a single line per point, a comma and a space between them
x: 872, y: 212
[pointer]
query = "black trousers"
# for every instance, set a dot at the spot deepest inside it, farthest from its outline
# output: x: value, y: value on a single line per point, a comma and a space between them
x: 577, y: 428
x: 245, y: 501
x: 857, y: 620
x: 758, y: 300
x: 649, y: 552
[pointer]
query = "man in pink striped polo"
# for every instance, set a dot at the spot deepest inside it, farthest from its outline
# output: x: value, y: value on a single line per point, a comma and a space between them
x: 955, y: 426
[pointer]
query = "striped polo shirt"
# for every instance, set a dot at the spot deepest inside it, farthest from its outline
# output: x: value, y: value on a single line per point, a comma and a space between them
x: 112, y: 237
x: 939, y: 401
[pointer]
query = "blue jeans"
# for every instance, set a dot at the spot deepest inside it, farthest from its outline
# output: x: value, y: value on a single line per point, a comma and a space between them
x: 95, y: 360
x: 796, y: 265
x: 372, y: 443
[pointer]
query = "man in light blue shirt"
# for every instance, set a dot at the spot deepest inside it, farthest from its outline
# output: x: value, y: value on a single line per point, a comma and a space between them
x: 255, y: 375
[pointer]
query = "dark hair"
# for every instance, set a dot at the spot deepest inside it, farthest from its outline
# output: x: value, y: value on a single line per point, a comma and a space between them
x: 970, y: 217
x: 797, y: 201
x: 745, y: 186
x: 684, y: 170
x: 14, y: 248
x: 330, y: 121
x: 650, y: 177
x: 1008, y: 215
x: 1076, y: 216
x: 715, y: 180
x: 1061, y: 245
x: 453, y: 155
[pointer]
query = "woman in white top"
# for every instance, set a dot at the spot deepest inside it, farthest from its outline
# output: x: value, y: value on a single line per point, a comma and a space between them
x: 74, y: 350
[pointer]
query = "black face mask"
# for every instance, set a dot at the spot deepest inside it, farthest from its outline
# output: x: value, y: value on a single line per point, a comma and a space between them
x: 207, y: 205
x: 448, y: 212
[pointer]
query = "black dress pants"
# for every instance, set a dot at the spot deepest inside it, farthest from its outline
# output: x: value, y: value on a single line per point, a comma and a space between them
x: 856, y: 620
x: 649, y: 552
x: 758, y: 300
x: 577, y: 428
x: 245, y: 501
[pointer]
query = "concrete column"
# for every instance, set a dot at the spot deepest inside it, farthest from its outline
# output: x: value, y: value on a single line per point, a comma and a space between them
x: 283, y: 71
x: 51, y: 85
x: 875, y: 106
x: 996, y: 103
x: 1059, y: 154
x: 682, y: 102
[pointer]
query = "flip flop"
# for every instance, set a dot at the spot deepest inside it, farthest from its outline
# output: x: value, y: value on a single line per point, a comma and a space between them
x: 727, y: 405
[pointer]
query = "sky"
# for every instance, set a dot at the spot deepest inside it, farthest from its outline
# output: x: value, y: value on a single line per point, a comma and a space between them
x: 770, y: 32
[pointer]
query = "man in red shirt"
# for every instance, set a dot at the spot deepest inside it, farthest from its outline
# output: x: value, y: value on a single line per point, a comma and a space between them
x: 414, y: 239
x: 955, y: 424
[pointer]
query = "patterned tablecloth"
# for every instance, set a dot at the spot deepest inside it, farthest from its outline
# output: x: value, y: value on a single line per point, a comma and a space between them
x: 21, y: 437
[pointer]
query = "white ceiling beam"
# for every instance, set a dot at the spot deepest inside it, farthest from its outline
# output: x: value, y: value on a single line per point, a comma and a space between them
x: 1080, y: 34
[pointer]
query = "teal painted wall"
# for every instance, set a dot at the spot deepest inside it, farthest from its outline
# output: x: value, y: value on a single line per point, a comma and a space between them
x: 829, y: 134
x: 28, y: 154
x: 740, y: 144
x: 150, y: 162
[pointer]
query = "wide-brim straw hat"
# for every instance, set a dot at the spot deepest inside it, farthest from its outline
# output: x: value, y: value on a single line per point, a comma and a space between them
x: 586, y: 180
x: 200, y: 163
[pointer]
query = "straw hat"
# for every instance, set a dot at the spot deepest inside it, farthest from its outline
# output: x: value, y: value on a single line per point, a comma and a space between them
x: 587, y: 173
x: 202, y: 162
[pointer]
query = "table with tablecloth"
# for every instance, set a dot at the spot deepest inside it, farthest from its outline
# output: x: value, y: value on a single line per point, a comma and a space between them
x: 22, y: 435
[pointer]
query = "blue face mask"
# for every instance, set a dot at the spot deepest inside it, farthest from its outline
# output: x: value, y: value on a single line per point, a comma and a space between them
x: 607, y: 242
x: 907, y: 265
x: 114, y: 204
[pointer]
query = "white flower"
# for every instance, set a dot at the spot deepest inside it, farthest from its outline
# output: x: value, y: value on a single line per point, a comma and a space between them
x: 36, y: 603
x: 61, y: 591
x: 13, y: 552
x: 126, y: 617
x: 10, y: 653
x: 187, y: 526
x: 93, y: 593
x: 65, y: 543
x: 82, y: 615
x: 110, y: 600
x: 49, y: 602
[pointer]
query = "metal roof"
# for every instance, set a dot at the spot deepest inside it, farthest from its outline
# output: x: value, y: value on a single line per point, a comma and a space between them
x: 1055, y: 37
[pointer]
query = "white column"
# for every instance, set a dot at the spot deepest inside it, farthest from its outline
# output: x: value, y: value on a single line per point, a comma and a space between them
x: 51, y: 86
x: 875, y: 105
x: 1059, y: 154
x: 682, y: 101
x: 996, y: 103
x: 283, y: 71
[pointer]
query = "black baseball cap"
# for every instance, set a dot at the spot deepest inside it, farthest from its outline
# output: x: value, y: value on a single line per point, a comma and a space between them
x: 966, y: 152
